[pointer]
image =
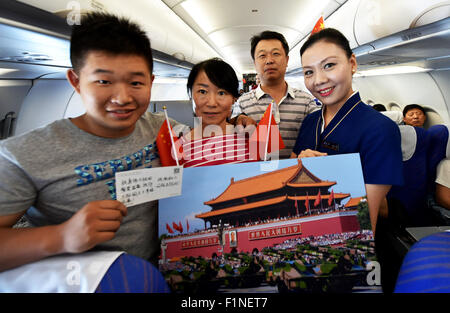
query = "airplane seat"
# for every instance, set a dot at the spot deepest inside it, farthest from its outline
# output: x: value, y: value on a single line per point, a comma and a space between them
x: 439, y: 149
x: 406, y: 206
x: 47, y: 99
x: 396, y: 116
x: 425, y: 267
x: 408, y: 203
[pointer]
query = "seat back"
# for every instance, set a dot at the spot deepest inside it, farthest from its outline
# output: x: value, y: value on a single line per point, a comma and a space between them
x: 425, y: 268
x: 396, y: 116
x: 439, y: 148
x: 411, y: 197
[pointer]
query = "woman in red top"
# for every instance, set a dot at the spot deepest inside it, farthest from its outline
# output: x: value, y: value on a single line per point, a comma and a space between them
x: 213, y: 87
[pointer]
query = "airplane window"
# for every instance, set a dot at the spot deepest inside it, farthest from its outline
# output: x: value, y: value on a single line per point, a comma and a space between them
x: 394, y: 107
x: 433, y: 118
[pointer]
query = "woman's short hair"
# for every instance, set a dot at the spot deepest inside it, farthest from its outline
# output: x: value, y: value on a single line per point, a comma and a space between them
x: 219, y: 72
x: 330, y: 35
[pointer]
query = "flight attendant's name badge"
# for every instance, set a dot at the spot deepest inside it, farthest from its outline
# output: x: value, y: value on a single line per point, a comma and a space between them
x: 331, y: 146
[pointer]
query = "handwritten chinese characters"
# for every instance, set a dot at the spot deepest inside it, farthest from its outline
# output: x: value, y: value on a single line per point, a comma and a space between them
x: 140, y: 186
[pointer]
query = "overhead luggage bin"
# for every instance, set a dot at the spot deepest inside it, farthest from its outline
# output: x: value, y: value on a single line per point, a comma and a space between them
x: 381, y: 18
x: 168, y: 33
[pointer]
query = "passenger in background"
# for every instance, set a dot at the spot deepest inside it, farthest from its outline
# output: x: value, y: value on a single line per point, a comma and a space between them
x: 414, y: 115
x: 213, y: 87
x: 379, y: 107
x: 269, y: 51
x: 347, y: 125
x: 61, y: 176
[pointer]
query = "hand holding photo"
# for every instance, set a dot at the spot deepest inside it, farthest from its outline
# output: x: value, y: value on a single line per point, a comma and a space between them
x: 304, y: 227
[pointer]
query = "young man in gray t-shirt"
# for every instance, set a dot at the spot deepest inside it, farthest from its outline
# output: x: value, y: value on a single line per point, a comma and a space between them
x: 61, y: 176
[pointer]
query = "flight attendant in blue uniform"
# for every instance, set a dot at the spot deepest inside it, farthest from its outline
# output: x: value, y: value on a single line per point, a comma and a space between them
x: 345, y: 124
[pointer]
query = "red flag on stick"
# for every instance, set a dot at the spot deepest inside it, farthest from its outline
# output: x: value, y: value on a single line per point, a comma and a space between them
x: 331, y: 198
x: 307, y: 203
x: 165, y: 142
x: 169, y: 229
x: 319, y: 26
x: 180, y: 227
x: 187, y: 225
x: 175, y: 226
x: 318, y: 199
x: 263, y: 134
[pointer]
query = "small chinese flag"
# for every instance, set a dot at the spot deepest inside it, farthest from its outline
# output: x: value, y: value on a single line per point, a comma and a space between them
x: 169, y: 229
x: 319, y: 26
x: 318, y: 199
x: 175, y: 226
x: 331, y: 198
x: 164, y: 145
x: 180, y: 227
x: 187, y: 225
x: 267, y: 124
x: 307, y: 203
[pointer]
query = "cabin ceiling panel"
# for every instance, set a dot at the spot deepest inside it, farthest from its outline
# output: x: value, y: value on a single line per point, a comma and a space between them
x: 194, y: 30
x: 227, y: 26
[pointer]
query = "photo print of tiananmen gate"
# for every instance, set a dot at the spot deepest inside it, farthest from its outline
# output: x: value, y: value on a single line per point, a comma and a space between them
x: 239, y: 225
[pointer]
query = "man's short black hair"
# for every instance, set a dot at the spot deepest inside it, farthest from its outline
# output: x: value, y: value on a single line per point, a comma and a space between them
x: 268, y: 35
x: 219, y: 72
x: 413, y: 106
x: 108, y: 33
x: 330, y: 35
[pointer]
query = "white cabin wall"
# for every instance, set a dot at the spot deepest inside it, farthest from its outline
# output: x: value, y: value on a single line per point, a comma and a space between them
x: 404, y: 89
x: 297, y: 82
x: 442, y: 79
x: 169, y: 91
x: 12, y: 93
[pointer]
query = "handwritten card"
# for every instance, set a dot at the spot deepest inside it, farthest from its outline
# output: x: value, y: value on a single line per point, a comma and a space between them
x: 144, y: 185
